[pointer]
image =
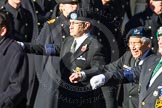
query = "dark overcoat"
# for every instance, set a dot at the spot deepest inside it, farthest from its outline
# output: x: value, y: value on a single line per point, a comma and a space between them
x: 14, y: 75
x: 54, y: 31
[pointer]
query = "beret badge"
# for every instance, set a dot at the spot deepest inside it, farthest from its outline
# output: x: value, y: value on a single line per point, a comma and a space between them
x: 73, y: 16
x: 136, y: 32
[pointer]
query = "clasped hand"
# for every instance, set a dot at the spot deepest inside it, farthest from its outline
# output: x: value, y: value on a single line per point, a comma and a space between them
x: 75, y: 77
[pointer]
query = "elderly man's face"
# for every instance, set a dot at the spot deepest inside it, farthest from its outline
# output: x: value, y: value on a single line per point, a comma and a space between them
x: 136, y: 47
x: 78, y: 28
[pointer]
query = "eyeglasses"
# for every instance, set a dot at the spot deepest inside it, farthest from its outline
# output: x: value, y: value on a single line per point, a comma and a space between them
x: 135, y: 44
x: 77, y: 23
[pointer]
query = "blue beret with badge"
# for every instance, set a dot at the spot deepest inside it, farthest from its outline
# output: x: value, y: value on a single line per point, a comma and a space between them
x: 80, y: 14
x: 139, y: 32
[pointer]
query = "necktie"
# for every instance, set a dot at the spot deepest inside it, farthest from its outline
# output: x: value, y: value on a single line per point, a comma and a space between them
x: 158, y: 66
x: 73, y: 46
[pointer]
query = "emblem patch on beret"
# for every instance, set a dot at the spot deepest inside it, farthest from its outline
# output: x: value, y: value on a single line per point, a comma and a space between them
x: 137, y: 32
x: 73, y: 16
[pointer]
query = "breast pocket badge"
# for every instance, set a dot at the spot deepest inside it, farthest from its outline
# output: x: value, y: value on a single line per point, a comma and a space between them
x: 81, y: 58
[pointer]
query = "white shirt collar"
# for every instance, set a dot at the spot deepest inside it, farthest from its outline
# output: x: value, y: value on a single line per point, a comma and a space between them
x: 80, y: 40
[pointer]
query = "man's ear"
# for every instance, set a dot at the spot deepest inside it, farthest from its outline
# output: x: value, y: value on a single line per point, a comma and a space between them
x: 3, y: 31
x: 87, y: 25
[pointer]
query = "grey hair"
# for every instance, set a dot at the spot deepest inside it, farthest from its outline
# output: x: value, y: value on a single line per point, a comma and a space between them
x: 146, y: 40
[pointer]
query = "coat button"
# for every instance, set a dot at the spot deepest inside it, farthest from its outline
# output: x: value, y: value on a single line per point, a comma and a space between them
x: 151, y: 37
x: 36, y: 12
x: 143, y: 103
x: 130, y: 96
x: 26, y: 24
x: 38, y: 24
x: 152, y: 48
x: 26, y: 36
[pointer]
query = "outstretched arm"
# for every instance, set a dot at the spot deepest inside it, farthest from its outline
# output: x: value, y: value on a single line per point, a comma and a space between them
x: 120, y: 76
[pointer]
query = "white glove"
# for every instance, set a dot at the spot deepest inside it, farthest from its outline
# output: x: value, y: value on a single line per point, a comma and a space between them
x: 97, y: 81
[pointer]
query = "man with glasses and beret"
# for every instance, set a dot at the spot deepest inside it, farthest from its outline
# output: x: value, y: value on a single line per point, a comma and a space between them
x: 150, y: 18
x: 139, y: 45
x: 148, y: 76
x: 80, y: 53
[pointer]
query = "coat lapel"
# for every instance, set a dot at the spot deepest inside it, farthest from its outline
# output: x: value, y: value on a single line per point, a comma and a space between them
x: 147, y: 78
x: 155, y: 83
x: 79, y: 51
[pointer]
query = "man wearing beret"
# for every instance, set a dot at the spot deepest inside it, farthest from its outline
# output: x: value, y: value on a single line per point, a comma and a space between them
x: 150, y: 18
x: 148, y: 76
x: 139, y: 46
x: 80, y: 54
